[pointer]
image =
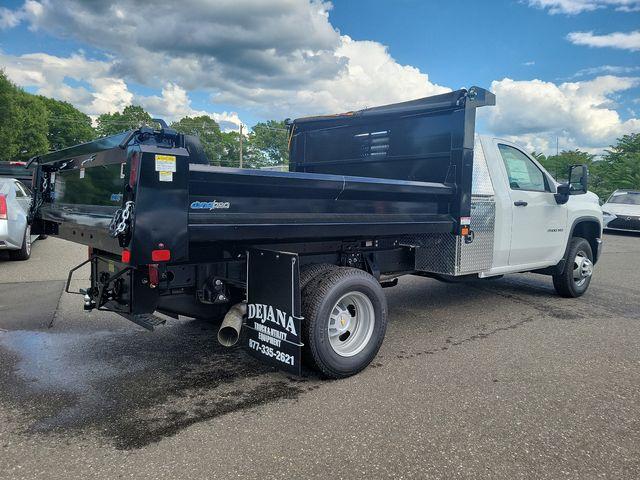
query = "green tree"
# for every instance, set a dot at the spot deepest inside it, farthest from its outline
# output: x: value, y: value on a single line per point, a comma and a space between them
x: 230, y: 150
x: 268, y: 144
x: 133, y: 116
x: 208, y: 131
x: 23, y: 123
x: 8, y: 118
x: 67, y: 126
x: 558, y: 165
x: 620, y: 166
x: 31, y: 126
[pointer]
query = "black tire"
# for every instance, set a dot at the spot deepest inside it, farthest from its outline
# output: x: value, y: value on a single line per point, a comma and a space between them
x: 318, y: 301
x: 310, y: 271
x: 25, y: 251
x: 564, y: 282
x: 43, y: 237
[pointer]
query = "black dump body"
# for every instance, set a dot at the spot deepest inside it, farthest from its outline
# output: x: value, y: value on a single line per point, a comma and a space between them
x: 399, y: 169
x: 361, y: 178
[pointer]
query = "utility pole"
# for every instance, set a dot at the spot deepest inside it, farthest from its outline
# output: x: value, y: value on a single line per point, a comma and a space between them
x: 241, y: 145
x: 557, y: 153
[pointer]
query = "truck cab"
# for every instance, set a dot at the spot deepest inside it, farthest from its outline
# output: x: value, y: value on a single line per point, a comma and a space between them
x: 534, y: 223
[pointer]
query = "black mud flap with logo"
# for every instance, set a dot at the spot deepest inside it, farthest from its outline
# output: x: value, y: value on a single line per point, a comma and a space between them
x: 274, y: 319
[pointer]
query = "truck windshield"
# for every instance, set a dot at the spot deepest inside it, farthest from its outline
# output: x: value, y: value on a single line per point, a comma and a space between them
x: 627, y: 198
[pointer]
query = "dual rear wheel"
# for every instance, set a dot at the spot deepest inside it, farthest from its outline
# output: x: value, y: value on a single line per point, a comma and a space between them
x: 345, y: 319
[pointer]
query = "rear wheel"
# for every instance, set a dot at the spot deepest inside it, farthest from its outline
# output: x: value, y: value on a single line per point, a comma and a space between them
x: 574, y: 280
x: 345, y: 320
x: 311, y: 271
x: 25, y: 251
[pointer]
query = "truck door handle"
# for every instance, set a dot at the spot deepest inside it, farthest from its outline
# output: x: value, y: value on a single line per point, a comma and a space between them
x: 520, y: 203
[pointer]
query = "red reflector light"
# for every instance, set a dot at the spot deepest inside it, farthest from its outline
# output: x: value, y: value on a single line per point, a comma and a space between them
x: 3, y: 207
x: 154, y: 276
x: 126, y: 256
x: 161, y: 255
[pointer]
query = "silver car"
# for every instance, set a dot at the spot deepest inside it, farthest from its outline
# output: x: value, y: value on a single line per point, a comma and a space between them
x: 622, y: 211
x: 15, y: 233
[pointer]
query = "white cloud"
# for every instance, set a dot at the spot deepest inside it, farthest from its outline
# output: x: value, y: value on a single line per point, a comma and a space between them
x: 174, y: 103
x: 581, y: 114
x: 281, y: 58
x: 573, y: 7
x: 94, y: 90
x: 9, y: 18
x: 530, y: 63
x: 605, y: 69
x: 620, y: 40
x: 204, y: 43
x: 370, y: 77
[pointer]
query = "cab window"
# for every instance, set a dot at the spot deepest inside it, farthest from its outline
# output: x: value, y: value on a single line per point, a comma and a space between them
x: 523, y: 173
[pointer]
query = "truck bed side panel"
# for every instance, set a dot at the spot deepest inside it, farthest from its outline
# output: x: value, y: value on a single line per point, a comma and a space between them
x: 233, y: 204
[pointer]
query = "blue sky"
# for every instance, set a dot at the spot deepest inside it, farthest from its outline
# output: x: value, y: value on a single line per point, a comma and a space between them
x: 560, y: 68
x: 470, y: 42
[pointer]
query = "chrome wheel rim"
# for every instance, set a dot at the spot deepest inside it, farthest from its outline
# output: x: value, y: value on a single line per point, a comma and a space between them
x: 27, y: 240
x: 582, y: 268
x: 351, y: 324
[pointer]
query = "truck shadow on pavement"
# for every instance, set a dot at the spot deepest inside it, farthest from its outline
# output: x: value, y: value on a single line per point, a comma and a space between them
x: 134, y: 387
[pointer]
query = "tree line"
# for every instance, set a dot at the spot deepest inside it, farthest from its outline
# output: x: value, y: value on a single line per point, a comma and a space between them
x: 618, y: 167
x: 33, y: 124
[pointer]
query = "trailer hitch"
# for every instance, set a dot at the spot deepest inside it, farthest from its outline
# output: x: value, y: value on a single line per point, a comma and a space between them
x: 92, y: 294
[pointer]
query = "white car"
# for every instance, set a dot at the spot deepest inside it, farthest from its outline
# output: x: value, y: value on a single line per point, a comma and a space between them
x: 622, y: 211
x: 15, y: 232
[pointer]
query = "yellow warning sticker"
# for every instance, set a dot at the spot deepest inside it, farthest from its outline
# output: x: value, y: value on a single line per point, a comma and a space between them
x: 165, y: 163
x: 165, y: 176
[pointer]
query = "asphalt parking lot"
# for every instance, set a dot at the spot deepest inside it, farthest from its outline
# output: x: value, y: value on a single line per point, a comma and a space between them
x: 496, y: 379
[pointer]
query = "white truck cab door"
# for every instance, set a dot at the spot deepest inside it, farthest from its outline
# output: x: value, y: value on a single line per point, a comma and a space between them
x: 538, y: 222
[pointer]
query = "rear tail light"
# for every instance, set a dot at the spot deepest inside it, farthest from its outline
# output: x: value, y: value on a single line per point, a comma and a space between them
x: 3, y: 207
x: 126, y: 256
x: 161, y: 255
x: 133, y: 171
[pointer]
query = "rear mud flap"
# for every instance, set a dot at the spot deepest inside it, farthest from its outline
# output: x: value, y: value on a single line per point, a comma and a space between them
x: 274, y: 321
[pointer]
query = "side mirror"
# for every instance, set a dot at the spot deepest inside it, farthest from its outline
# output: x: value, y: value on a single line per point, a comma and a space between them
x: 578, y: 179
x: 562, y: 195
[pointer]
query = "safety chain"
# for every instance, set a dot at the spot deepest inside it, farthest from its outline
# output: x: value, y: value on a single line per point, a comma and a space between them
x: 121, y: 220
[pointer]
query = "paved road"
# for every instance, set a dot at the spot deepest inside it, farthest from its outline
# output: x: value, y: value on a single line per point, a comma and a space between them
x: 499, y: 379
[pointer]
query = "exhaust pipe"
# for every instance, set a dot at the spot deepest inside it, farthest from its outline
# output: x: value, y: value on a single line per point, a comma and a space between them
x: 229, y: 332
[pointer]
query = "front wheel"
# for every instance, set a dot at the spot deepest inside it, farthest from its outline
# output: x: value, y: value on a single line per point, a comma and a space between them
x: 345, y: 319
x: 575, y: 278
